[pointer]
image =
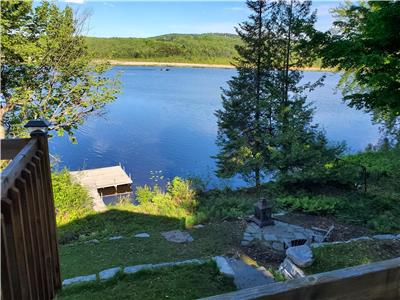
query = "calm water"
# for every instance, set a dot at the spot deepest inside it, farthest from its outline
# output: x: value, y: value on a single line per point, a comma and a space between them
x: 163, y: 124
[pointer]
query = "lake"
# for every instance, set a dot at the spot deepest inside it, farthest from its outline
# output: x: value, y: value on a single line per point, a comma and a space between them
x: 163, y: 125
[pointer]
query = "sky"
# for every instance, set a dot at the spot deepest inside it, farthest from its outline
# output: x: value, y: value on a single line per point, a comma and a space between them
x: 151, y: 18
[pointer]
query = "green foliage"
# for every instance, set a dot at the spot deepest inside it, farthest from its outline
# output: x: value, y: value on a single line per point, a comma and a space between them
x: 144, y: 194
x: 219, y: 205
x: 182, y: 193
x: 71, y: 200
x: 47, y: 69
x: 187, y: 48
x: 316, y: 204
x: 365, y: 45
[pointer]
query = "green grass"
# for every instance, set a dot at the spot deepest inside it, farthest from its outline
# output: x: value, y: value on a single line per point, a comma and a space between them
x: 346, y: 255
x: 183, y: 282
x: 80, y: 258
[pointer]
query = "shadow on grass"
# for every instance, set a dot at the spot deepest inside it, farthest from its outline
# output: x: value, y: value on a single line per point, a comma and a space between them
x: 115, y: 222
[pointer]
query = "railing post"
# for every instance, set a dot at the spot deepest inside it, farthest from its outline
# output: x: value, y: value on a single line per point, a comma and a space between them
x: 38, y: 129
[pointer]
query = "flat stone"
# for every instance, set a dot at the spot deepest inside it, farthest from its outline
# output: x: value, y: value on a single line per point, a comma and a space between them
x: 384, y: 237
x: 270, y: 237
x: 252, y: 228
x: 189, y: 262
x: 177, y: 236
x: 109, y: 273
x: 113, y: 238
x: 92, y: 242
x: 134, y: 269
x: 142, y: 235
x: 246, y: 276
x: 290, y: 270
x: 198, y: 226
x: 79, y: 279
x: 302, y: 255
x: 398, y: 236
x: 223, y: 266
x: 245, y: 243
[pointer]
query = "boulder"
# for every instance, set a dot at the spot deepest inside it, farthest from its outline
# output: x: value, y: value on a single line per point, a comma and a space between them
x: 302, y: 255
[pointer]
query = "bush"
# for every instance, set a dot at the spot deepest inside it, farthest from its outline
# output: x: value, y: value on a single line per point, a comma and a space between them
x: 312, y: 204
x: 181, y: 193
x: 71, y: 200
x: 144, y: 194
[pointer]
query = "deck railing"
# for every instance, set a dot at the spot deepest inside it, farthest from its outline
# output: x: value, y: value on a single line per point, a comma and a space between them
x: 29, y: 255
x: 375, y: 281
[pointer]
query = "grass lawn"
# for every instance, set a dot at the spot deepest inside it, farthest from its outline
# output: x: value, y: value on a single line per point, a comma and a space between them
x: 346, y: 255
x: 183, y: 282
x: 80, y: 258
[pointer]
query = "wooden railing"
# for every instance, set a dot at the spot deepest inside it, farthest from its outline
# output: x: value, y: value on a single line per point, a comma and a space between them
x: 380, y: 280
x: 30, y: 266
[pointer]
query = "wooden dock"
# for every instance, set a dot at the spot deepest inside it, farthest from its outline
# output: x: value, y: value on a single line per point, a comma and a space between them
x: 101, y: 178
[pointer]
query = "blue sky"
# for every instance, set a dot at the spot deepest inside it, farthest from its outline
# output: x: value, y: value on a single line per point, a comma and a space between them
x: 150, y: 18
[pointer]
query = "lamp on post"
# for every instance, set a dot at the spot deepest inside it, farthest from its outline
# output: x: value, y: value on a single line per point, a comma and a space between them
x: 263, y: 213
x: 37, y: 127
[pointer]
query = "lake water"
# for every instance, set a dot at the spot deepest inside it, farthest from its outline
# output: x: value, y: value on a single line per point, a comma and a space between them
x: 163, y: 124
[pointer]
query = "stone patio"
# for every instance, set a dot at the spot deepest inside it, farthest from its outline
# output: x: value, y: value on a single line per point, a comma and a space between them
x: 281, y: 235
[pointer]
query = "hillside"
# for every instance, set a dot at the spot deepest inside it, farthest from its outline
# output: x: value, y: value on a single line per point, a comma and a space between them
x: 207, y: 48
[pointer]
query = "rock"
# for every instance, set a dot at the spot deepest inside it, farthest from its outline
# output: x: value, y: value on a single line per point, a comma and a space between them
x: 245, y: 243
x: 113, y: 238
x: 79, y: 279
x: 398, y: 236
x: 177, y: 236
x: 384, y: 237
x: 198, y: 226
x: 109, y: 273
x: 278, y: 246
x: 142, y: 235
x: 302, y: 255
x: 134, y: 269
x: 290, y: 270
x: 248, y: 238
x: 189, y: 262
x: 252, y: 228
x: 223, y: 266
x: 270, y: 237
x: 361, y: 238
x: 92, y: 242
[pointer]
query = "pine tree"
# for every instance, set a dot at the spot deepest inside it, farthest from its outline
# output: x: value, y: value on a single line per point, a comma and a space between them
x: 242, y: 135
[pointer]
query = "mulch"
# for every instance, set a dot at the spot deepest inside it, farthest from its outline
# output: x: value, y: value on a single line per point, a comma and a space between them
x: 341, y: 232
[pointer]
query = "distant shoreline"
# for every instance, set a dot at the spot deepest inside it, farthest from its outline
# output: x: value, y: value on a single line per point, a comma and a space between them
x: 188, y: 65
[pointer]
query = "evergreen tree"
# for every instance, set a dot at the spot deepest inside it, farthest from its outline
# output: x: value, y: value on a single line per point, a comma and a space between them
x: 293, y: 43
x: 242, y: 137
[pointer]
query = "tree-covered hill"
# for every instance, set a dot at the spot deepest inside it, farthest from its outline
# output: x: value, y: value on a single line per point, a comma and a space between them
x: 210, y: 48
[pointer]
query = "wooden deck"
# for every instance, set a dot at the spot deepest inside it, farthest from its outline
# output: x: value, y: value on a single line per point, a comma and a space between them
x: 101, y: 178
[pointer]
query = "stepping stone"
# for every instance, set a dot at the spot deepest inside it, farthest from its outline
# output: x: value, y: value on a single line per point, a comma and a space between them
x: 177, y: 236
x: 109, y: 273
x: 223, y: 266
x: 113, y: 238
x: 142, y: 235
x: 79, y: 279
x: 246, y: 276
x: 302, y: 255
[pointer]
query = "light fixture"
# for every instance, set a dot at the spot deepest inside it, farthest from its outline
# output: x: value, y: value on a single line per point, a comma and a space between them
x: 37, y: 127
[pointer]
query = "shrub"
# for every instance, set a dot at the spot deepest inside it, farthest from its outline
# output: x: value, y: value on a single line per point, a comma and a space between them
x: 312, y: 204
x: 181, y: 193
x: 144, y: 194
x: 71, y: 200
